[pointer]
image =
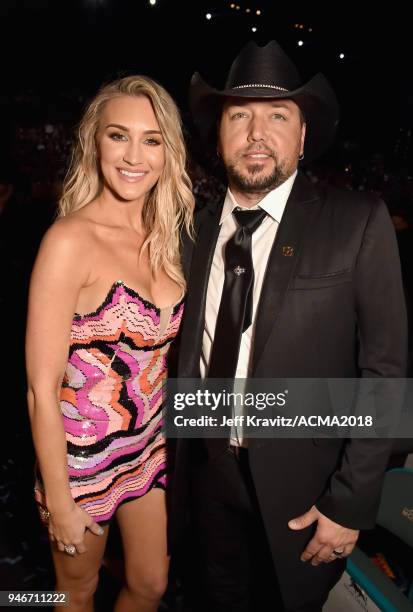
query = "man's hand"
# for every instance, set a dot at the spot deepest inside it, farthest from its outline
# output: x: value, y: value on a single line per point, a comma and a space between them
x: 331, y: 540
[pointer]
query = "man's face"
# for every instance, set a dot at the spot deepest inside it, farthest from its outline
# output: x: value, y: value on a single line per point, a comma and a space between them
x: 260, y: 141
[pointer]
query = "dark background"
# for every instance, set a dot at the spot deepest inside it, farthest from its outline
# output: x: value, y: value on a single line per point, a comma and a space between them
x: 56, y: 50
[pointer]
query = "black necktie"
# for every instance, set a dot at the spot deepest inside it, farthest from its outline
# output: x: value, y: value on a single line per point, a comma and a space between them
x: 235, y: 309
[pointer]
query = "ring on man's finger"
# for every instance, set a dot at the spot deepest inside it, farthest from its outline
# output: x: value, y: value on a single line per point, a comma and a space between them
x: 70, y: 549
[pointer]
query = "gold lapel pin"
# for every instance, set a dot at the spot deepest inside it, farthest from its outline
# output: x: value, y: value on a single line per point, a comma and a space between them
x: 288, y: 251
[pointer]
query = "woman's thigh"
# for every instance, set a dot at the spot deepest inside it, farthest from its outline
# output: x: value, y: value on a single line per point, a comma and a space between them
x: 142, y: 523
x: 80, y: 568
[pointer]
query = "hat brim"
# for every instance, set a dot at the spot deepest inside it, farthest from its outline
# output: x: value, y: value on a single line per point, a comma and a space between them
x: 316, y: 99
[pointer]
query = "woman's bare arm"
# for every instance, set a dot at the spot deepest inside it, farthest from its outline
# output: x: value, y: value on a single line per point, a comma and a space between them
x: 60, y: 271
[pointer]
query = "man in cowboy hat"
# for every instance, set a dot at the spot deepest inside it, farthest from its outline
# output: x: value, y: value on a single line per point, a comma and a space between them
x: 286, y: 281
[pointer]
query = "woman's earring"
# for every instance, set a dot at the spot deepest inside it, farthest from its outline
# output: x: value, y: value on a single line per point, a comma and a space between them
x: 301, y: 157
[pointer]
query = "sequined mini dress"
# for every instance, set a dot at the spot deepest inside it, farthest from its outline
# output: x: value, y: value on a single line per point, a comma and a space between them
x: 111, y: 402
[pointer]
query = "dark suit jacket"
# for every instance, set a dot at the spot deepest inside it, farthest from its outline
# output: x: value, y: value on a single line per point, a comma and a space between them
x: 335, y: 309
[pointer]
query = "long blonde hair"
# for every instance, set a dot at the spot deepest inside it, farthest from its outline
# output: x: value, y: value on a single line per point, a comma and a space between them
x: 169, y: 205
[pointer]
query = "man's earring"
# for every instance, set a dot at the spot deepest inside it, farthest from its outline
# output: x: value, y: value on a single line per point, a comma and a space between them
x: 218, y: 154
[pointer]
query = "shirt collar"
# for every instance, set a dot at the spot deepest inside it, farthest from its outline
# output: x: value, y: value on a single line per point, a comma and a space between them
x: 273, y: 203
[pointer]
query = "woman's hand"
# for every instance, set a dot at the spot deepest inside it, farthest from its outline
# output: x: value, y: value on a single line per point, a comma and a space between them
x: 67, y: 528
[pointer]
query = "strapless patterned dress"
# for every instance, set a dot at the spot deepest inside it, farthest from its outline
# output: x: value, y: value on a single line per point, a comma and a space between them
x: 111, y: 402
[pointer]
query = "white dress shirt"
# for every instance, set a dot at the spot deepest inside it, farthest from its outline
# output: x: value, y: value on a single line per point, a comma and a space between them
x: 262, y: 240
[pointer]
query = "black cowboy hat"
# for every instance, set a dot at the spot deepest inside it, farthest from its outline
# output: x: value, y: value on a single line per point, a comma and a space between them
x: 267, y: 72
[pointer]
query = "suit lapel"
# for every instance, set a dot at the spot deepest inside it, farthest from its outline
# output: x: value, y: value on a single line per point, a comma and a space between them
x: 193, y: 324
x: 187, y: 247
x: 282, y: 262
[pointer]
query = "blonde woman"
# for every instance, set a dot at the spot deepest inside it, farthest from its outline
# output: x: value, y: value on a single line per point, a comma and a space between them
x: 106, y: 301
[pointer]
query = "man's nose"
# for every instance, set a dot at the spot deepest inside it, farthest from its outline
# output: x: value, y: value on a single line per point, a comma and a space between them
x: 257, y: 130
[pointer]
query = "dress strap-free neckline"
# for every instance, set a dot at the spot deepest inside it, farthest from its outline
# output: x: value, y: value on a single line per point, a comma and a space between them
x: 131, y: 291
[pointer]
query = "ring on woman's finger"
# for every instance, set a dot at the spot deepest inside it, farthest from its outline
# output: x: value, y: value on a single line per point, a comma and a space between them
x: 337, y: 553
x: 70, y: 549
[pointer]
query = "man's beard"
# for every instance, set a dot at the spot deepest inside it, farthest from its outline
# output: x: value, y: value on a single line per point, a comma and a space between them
x: 253, y: 182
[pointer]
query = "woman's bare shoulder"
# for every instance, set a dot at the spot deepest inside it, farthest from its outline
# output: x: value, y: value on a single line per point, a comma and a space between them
x: 73, y: 234
x: 67, y: 252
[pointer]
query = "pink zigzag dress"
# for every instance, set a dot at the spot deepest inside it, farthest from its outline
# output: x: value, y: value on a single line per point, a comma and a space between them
x: 111, y: 402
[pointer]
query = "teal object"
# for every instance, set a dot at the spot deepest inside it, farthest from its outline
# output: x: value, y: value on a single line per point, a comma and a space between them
x: 396, y: 515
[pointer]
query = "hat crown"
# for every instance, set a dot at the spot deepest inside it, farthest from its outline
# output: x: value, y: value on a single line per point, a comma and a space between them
x: 267, y: 65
